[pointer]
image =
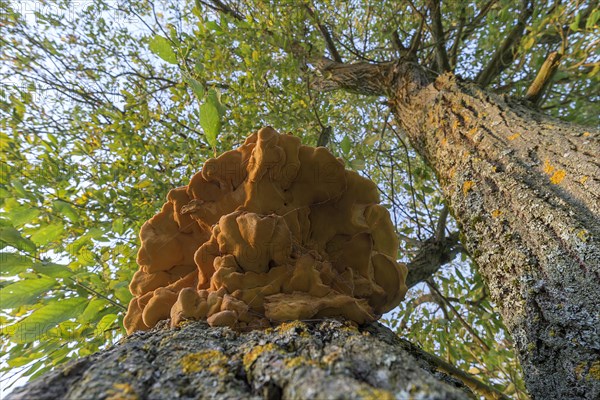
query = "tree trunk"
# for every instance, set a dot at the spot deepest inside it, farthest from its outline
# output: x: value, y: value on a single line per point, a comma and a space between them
x: 525, y: 190
x: 326, y: 360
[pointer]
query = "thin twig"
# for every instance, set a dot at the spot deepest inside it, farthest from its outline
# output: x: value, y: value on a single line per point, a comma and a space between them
x: 89, y: 289
x: 464, y: 323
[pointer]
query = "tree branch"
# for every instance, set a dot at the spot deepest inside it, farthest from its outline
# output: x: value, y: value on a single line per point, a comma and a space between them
x: 89, y: 289
x: 396, y: 79
x: 219, y: 6
x: 415, y: 42
x: 474, y: 24
x: 398, y: 43
x: 543, y: 78
x: 326, y: 35
x: 441, y: 226
x: 437, y: 30
x: 506, y: 53
x: 361, y: 78
x: 430, y: 257
x: 458, y: 37
x: 324, y: 137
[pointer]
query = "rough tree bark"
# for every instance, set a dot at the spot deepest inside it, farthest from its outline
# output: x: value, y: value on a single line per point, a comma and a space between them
x: 315, y: 360
x: 525, y: 190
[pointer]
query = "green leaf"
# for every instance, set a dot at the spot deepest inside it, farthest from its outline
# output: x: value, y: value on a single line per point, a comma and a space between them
x: 53, y: 270
x: 143, y: 184
x: 13, y: 263
x: 370, y: 140
x: 210, y: 120
x: 123, y: 294
x: 357, y: 164
x: 93, y: 308
x: 118, y: 226
x: 161, y: 46
x: 26, y: 291
x: 12, y: 237
x: 18, y: 362
x: 19, y: 214
x: 575, y: 24
x: 20, y: 189
x: 33, y: 327
x: 214, y: 26
x: 196, y: 86
x: 105, y: 323
x: 592, y: 19
x: 67, y: 210
x: 48, y: 233
x: 58, y: 355
x: 346, y: 144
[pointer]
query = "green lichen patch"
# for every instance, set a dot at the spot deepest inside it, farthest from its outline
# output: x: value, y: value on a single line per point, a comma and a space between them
x: 594, y: 371
x: 332, y: 357
x: 122, y: 391
x: 350, y: 326
x: 375, y: 394
x: 297, y: 327
x: 213, y: 361
x: 294, y: 362
x: 256, y: 352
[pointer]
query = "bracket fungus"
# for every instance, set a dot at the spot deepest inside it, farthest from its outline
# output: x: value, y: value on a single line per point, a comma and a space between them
x: 271, y: 231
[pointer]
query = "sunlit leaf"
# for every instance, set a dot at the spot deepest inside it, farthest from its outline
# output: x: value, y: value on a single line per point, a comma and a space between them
x: 106, y: 322
x: 67, y: 210
x: 161, y: 46
x: 52, y: 269
x: 10, y: 236
x: 357, y: 164
x: 33, y: 327
x: 25, y: 291
x: 47, y: 233
x: 346, y: 144
x: 210, y: 118
x: 13, y: 263
x: 196, y: 86
x: 92, y: 310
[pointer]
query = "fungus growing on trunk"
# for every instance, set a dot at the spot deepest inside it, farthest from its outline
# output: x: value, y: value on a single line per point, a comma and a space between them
x: 271, y: 231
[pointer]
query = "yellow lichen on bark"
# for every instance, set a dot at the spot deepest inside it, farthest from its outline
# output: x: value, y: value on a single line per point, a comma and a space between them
x: 583, y: 235
x: 595, y: 371
x: 548, y: 168
x: 122, y: 391
x: 556, y: 175
x: 253, y: 354
x: 374, y: 393
x: 293, y: 325
x: 513, y: 137
x: 294, y: 362
x: 467, y: 186
x: 211, y: 360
